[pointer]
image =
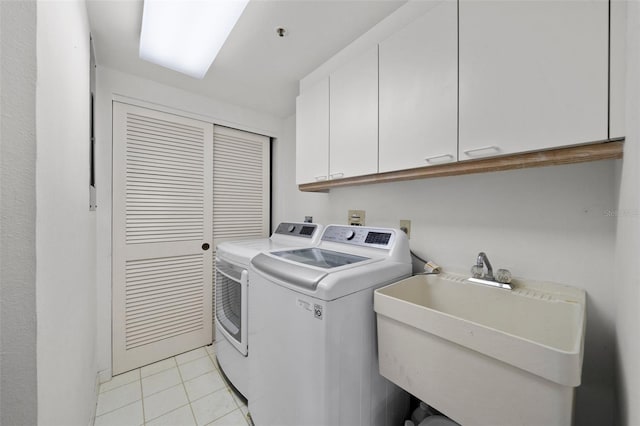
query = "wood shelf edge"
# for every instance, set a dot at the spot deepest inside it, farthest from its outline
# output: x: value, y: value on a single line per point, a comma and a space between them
x: 607, y: 150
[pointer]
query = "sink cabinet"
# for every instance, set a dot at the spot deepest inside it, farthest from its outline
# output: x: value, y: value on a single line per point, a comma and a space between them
x: 533, y: 75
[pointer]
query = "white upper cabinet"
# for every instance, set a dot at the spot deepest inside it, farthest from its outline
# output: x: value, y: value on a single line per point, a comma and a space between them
x: 419, y: 92
x: 353, y: 111
x: 617, y: 73
x: 312, y: 134
x: 533, y: 75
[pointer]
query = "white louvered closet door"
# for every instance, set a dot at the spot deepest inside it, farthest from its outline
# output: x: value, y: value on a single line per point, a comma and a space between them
x: 241, y: 186
x: 241, y: 190
x: 162, y: 223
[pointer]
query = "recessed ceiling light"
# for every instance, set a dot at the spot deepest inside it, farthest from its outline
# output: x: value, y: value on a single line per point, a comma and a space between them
x: 186, y: 36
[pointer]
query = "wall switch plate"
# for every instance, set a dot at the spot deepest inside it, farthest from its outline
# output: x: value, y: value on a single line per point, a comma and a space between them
x: 356, y: 217
x: 405, y: 225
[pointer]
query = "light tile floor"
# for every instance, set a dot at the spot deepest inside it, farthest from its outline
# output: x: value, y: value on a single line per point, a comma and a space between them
x: 185, y: 390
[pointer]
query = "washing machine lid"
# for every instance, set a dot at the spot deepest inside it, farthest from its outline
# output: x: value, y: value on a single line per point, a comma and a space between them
x: 305, y: 268
x: 348, y: 259
x: 320, y: 258
x: 295, y: 274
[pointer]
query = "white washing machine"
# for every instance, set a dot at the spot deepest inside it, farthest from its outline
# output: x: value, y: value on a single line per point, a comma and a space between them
x: 313, y: 332
x: 232, y: 284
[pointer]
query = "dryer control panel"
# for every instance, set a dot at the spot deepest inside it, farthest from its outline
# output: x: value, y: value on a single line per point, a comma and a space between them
x: 305, y: 230
x: 360, y: 236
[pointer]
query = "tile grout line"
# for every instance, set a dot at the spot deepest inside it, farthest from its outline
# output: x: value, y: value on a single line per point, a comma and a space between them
x: 195, y: 359
x: 185, y: 391
x: 205, y: 395
x: 176, y: 365
x: 228, y: 387
x: 213, y: 361
x: 139, y: 375
x: 221, y: 417
x: 116, y: 409
x: 217, y: 418
x: 193, y: 414
x: 209, y: 394
x: 163, y: 389
x: 160, y: 371
x: 117, y: 387
x: 168, y: 412
x: 122, y: 406
x: 144, y: 419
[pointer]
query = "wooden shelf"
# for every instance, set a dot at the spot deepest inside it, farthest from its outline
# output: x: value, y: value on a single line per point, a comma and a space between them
x: 607, y: 150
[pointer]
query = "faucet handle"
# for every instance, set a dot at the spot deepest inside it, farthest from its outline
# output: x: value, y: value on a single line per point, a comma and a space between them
x: 503, y: 276
x: 476, y: 271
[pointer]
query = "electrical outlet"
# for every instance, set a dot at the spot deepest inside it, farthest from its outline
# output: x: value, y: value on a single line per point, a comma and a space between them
x: 356, y: 217
x: 405, y: 225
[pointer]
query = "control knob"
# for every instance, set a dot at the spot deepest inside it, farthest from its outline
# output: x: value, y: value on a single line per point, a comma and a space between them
x: 291, y: 228
x: 350, y: 235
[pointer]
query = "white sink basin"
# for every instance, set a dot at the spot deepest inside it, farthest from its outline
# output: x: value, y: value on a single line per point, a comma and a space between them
x: 484, y: 355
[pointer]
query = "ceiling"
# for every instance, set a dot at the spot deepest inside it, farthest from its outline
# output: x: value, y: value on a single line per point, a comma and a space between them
x: 255, y: 68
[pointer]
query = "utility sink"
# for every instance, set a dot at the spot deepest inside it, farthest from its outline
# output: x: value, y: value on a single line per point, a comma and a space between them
x: 480, y: 354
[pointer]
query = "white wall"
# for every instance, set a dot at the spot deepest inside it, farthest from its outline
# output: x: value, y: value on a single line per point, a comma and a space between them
x: 18, y: 213
x: 626, y: 276
x: 65, y: 229
x: 115, y: 85
x: 551, y: 224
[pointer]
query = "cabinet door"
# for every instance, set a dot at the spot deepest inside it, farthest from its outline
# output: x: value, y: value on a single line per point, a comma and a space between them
x: 419, y: 92
x: 312, y: 134
x: 533, y: 75
x: 353, y: 112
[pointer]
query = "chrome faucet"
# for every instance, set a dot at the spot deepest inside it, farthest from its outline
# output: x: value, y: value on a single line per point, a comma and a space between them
x: 502, y: 280
x: 481, y: 262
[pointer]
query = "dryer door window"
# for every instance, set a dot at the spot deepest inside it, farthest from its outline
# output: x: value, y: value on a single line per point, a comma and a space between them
x: 231, y: 303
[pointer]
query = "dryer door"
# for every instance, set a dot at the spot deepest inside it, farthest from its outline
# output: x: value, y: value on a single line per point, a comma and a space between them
x: 231, y: 303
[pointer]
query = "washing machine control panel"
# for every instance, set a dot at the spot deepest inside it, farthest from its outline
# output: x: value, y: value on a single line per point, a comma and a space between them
x: 360, y: 235
x: 304, y: 230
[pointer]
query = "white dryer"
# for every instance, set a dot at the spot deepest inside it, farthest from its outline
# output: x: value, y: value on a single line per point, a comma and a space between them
x: 232, y: 288
x: 313, y: 334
